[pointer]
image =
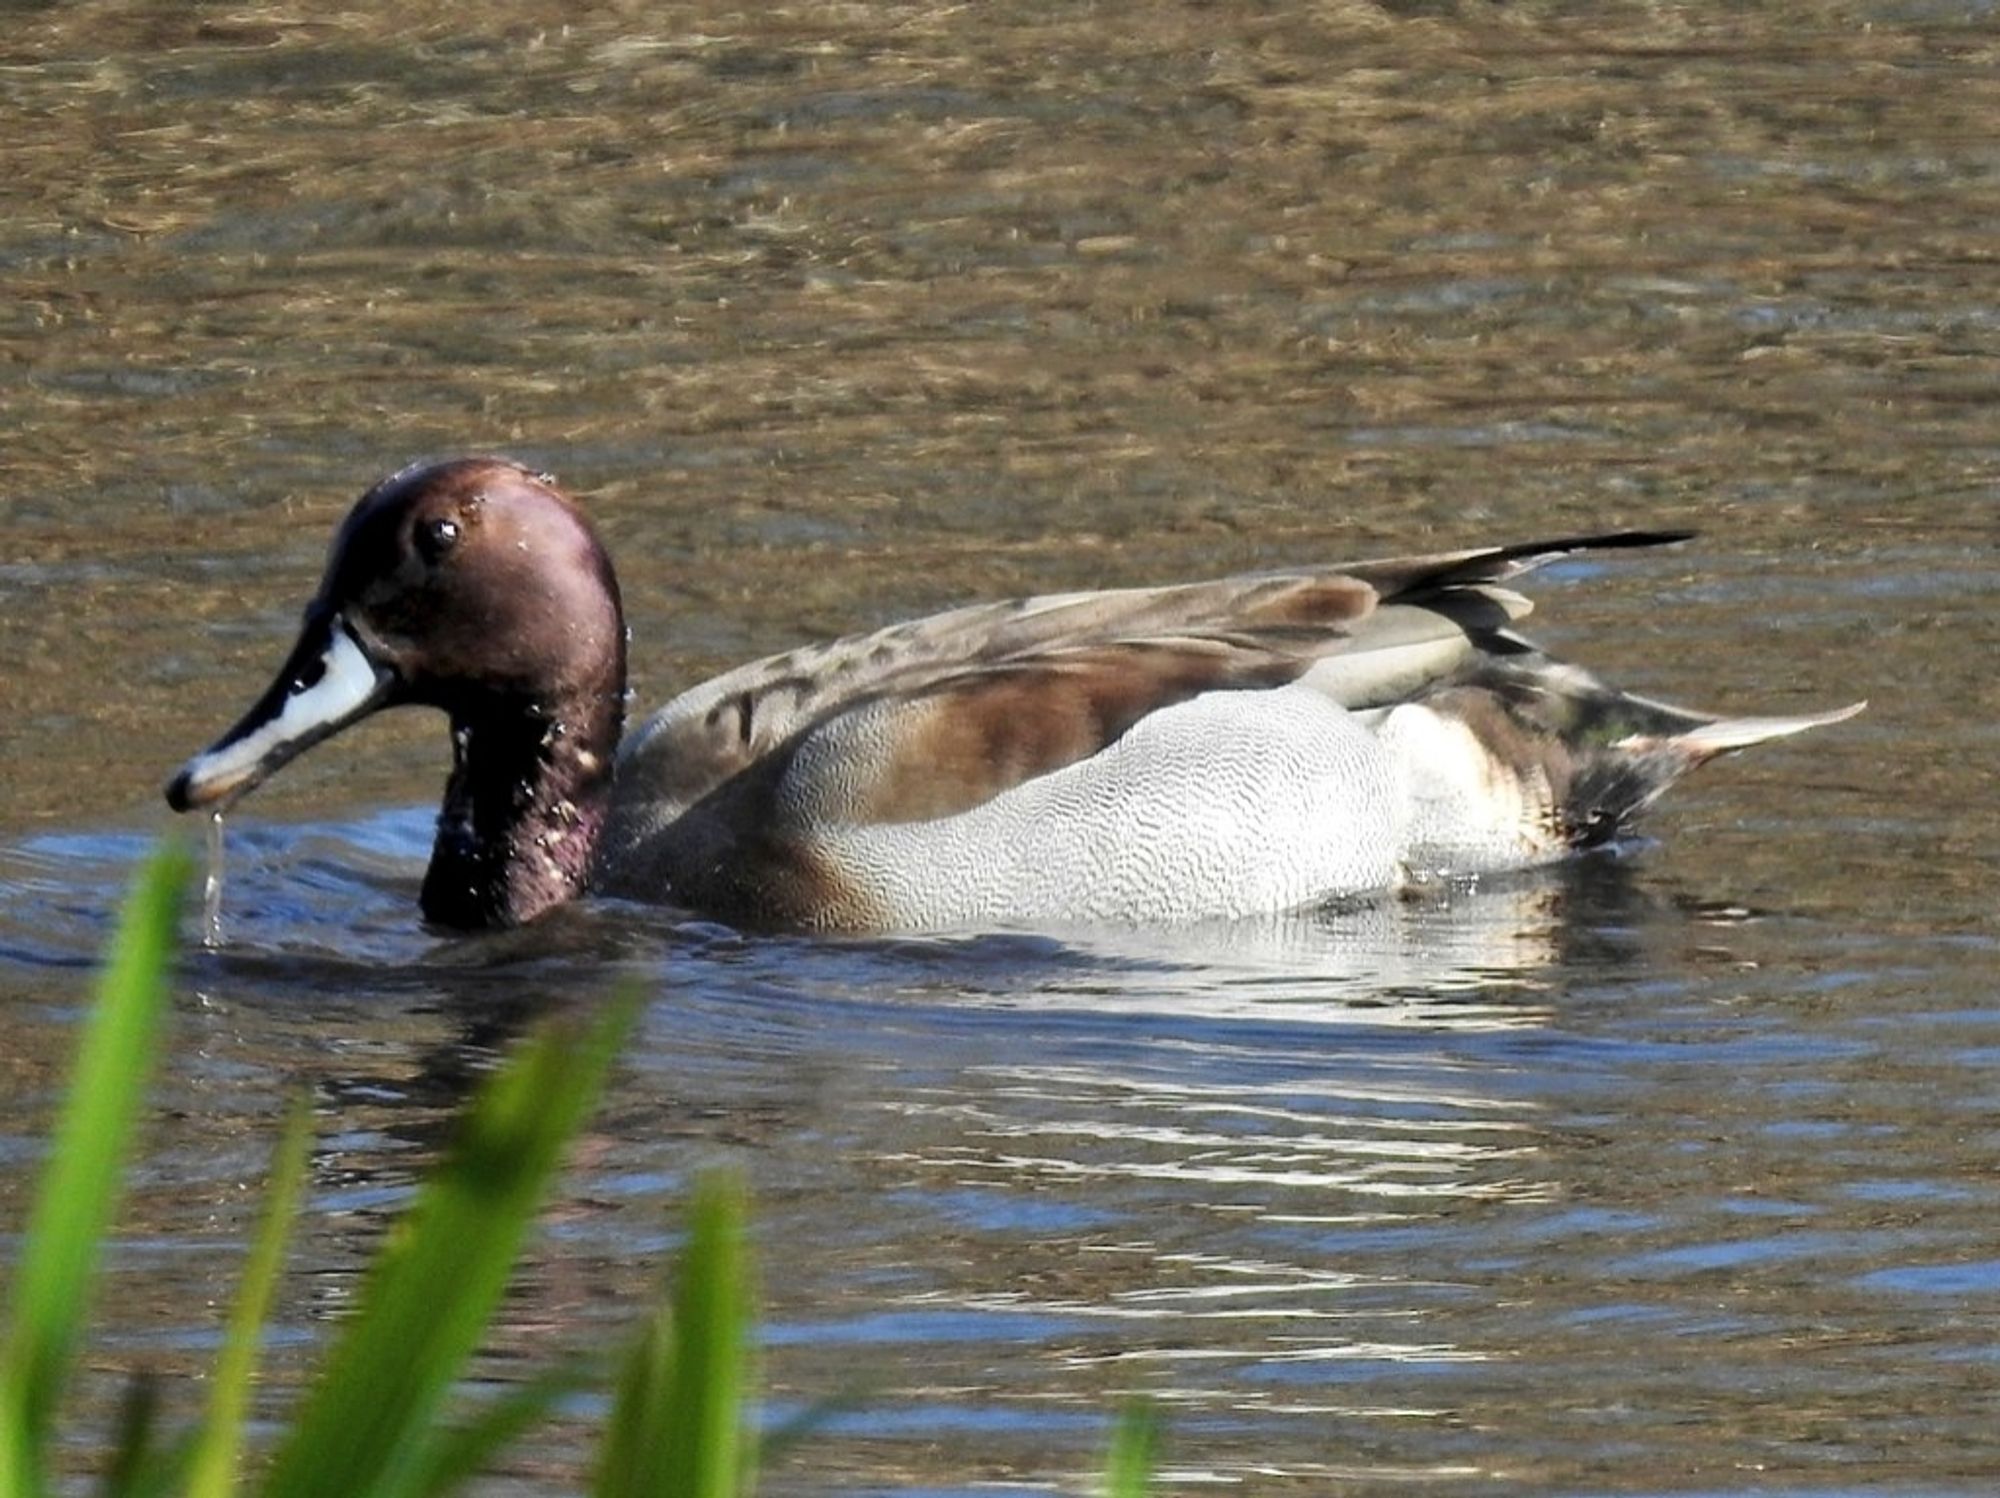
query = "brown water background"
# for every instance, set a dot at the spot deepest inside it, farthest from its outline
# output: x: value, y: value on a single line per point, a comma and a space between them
x: 1675, y: 1174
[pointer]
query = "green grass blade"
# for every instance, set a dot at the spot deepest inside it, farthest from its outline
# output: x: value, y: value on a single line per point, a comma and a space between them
x: 80, y: 1181
x: 429, y: 1296
x: 454, y: 1456
x: 798, y: 1428
x: 677, y: 1428
x: 156, y: 1467
x: 220, y: 1443
x: 632, y: 1459
x: 1135, y: 1442
x: 709, y: 1383
x: 134, y: 1449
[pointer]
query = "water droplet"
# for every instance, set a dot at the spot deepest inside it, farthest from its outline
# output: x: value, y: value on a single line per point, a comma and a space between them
x: 211, y: 887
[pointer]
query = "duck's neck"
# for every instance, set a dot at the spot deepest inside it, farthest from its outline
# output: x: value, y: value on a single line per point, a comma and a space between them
x: 529, y: 791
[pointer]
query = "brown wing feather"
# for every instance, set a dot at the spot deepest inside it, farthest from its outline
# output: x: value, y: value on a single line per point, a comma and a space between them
x: 719, y: 729
x: 963, y: 739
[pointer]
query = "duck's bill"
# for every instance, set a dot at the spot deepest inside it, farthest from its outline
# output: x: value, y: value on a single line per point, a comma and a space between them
x: 328, y: 682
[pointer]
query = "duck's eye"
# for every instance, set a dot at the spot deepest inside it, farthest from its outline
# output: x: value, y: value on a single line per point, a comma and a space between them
x: 436, y: 536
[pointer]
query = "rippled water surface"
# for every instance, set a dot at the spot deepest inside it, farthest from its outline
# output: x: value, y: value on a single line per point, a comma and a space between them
x: 1668, y: 1173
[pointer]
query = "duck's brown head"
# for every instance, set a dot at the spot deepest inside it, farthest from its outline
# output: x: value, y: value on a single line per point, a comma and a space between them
x: 474, y: 586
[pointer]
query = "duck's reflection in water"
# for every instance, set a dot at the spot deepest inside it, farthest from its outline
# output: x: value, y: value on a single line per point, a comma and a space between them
x: 1200, y: 1147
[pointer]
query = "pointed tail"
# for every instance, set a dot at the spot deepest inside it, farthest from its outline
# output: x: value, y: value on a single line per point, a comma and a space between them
x: 1726, y: 735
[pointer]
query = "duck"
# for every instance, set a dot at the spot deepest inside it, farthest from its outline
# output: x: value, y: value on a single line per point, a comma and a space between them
x: 1245, y: 746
